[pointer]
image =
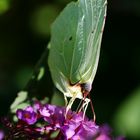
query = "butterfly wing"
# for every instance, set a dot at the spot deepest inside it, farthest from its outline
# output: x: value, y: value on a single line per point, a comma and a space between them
x: 75, y: 43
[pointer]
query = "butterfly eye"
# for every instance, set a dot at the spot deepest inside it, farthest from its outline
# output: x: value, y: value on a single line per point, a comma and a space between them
x: 86, y: 87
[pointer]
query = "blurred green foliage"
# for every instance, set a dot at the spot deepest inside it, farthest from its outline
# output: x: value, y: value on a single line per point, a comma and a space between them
x: 22, y: 76
x: 58, y: 98
x: 24, y: 34
x: 127, y: 118
x: 4, y: 6
x: 42, y: 18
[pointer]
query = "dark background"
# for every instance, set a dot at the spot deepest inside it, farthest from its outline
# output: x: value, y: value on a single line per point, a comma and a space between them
x: 25, y: 33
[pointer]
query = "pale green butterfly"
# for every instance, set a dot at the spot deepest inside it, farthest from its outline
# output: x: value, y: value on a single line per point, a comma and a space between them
x: 75, y: 46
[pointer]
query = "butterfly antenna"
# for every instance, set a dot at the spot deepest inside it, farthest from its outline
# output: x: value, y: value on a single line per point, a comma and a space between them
x: 92, y: 108
x: 82, y: 101
x: 79, y: 106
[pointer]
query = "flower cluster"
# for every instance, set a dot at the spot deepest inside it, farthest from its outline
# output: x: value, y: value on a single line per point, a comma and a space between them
x: 50, y: 122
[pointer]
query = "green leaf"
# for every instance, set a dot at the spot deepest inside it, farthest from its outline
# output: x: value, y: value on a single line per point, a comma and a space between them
x: 41, y: 73
x: 19, y: 101
x: 75, y: 44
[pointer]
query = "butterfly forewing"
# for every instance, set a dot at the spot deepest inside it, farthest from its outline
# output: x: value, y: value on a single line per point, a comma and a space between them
x: 75, y: 43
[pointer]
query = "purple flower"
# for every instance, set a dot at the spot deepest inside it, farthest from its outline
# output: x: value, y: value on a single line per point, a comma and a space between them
x: 105, y: 133
x: 44, y: 112
x: 78, y: 127
x: 52, y: 114
x: 27, y: 115
x: 1, y: 135
x: 42, y: 121
x: 120, y: 138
